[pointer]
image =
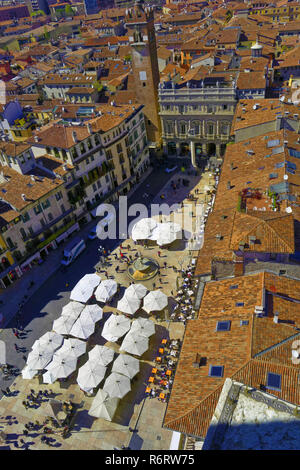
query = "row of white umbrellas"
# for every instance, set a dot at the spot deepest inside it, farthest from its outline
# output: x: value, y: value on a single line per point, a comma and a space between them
x: 153, y: 301
x: 163, y: 233
x: 85, y: 288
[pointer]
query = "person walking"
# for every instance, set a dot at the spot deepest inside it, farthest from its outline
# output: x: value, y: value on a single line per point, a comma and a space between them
x: 158, y: 253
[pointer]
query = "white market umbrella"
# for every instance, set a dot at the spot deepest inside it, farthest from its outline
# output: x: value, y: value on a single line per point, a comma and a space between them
x: 101, y: 354
x: 117, y: 385
x: 49, y: 377
x: 90, y: 375
x: 126, y: 365
x: 143, y: 229
x: 135, y: 291
x: 92, y: 313
x: 166, y: 233
x: 155, y: 301
x: 39, y: 358
x: 50, y: 340
x: 72, y: 310
x: 28, y: 373
x: 106, y: 290
x: 82, y: 328
x: 72, y: 347
x: 115, y: 327
x: 63, y: 325
x: 128, y: 305
x: 103, y: 406
x: 135, y: 344
x: 62, y: 367
x: 84, y: 289
x: 143, y: 326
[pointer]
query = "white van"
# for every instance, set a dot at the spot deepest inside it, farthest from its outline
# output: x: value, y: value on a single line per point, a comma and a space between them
x: 72, y: 250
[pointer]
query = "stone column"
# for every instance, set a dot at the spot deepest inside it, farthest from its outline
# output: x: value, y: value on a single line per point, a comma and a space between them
x: 177, y: 149
x: 193, y: 154
x: 218, y: 150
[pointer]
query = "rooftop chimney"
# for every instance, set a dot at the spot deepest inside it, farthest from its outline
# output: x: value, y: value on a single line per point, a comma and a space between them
x: 74, y: 135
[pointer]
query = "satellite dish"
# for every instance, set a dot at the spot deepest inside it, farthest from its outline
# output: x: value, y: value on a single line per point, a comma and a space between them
x: 288, y: 210
x: 285, y: 177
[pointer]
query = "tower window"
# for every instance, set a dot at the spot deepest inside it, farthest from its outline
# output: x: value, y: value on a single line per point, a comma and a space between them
x: 144, y: 83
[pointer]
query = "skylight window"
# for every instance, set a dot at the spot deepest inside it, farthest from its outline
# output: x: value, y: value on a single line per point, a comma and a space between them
x: 234, y: 286
x: 244, y: 322
x: 273, y: 143
x: 274, y: 381
x: 223, y: 326
x: 239, y: 304
x: 215, y: 371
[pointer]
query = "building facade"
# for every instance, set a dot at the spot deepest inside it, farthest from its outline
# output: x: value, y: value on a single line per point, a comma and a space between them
x: 196, y: 117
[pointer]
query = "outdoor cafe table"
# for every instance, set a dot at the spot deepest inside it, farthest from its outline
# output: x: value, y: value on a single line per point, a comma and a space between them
x: 154, y: 370
x: 164, y: 341
x: 161, y: 350
x: 158, y: 359
x: 151, y: 379
x: 162, y: 396
x: 148, y: 390
x: 168, y: 372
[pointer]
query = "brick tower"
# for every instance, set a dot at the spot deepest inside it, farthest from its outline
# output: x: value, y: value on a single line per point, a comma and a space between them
x: 141, y: 32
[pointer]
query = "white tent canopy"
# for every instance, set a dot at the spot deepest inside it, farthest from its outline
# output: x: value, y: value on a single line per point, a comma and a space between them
x: 117, y: 385
x: 126, y: 365
x: 103, y: 406
x: 90, y: 375
x: 134, y: 343
x: 115, y: 327
x: 28, y: 373
x: 101, y: 354
x: 82, y: 328
x: 72, y: 347
x: 72, y: 310
x: 167, y: 232
x: 50, y: 340
x: 84, y: 289
x: 63, y: 325
x: 92, y: 313
x: 143, y: 228
x: 49, y: 377
x: 62, y: 367
x: 106, y: 290
x: 155, y: 301
x: 135, y: 291
x: 38, y: 358
x: 143, y: 326
x: 128, y: 305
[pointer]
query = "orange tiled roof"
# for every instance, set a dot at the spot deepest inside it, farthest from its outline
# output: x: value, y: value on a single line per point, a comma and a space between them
x: 246, y: 352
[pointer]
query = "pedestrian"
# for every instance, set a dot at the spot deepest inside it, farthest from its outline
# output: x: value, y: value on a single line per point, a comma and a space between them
x: 16, y: 334
x: 128, y: 247
x: 153, y: 285
x: 158, y: 253
x: 160, y: 280
x: 117, y: 269
x: 165, y: 264
x: 16, y: 347
x: 115, y: 255
x: 67, y: 284
x: 24, y: 358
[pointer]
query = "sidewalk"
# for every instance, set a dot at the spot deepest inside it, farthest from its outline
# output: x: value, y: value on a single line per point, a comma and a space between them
x: 14, y: 295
